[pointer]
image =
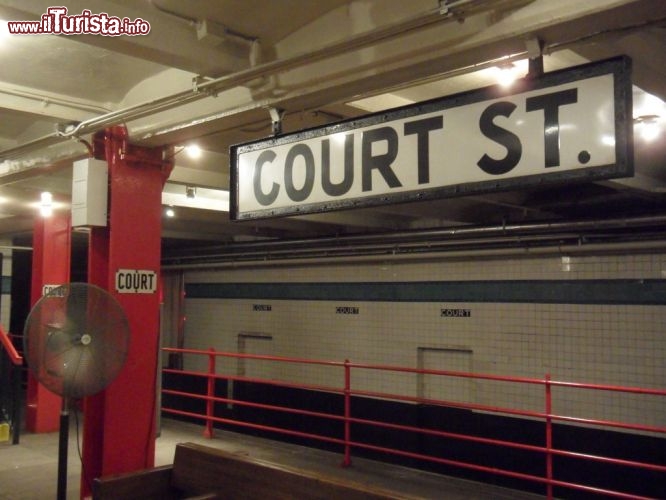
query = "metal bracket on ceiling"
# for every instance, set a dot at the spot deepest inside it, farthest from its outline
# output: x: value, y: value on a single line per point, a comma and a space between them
x: 276, y: 120
x: 197, y: 81
x: 535, y: 57
x: 65, y: 129
x: 449, y: 9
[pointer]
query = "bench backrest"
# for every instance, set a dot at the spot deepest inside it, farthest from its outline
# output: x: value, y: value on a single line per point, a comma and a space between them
x: 200, y: 470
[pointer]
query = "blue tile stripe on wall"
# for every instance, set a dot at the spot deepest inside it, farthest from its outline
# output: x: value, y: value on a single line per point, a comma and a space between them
x: 629, y: 292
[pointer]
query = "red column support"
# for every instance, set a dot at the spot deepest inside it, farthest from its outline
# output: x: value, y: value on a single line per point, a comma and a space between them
x: 119, y: 431
x: 52, y: 243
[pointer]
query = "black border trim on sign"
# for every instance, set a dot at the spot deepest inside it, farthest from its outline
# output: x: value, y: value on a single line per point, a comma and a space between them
x: 619, y: 67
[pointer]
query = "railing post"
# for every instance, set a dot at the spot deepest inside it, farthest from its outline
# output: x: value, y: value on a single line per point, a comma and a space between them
x: 210, y: 405
x: 347, y: 397
x: 16, y: 402
x: 549, y: 439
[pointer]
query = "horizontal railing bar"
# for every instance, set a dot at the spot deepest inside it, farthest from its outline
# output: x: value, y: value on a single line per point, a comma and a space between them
x: 450, y: 404
x: 264, y: 357
x: 478, y: 376
x: 510, y: 444
x: 612, y: 388
x: 14, y: 356
x: 448, y: 461
x: 252, y: 404
x: 503, y: 472
x: 378, y: 395
x: 448, y: 373
x: 240, y: 378
x: 610, y: 423
x: 240, y: 423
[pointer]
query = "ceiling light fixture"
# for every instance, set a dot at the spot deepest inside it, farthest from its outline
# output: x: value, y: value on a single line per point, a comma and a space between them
x: 507, y: 74
x: 648, y: 127
x: 46, y: 204
x: 174, y: 196
x: 169, y: 212
x: 193, y: 151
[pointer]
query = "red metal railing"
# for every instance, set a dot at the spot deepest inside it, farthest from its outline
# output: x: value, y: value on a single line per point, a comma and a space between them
x: 348, y: 419
x: 7, y: 344
x: 10, y: 388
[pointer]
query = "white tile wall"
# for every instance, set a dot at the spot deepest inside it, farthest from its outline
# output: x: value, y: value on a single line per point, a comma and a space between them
x: 603, y: 344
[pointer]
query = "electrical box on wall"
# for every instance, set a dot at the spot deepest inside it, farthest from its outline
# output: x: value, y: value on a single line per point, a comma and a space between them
x: 90, y: 188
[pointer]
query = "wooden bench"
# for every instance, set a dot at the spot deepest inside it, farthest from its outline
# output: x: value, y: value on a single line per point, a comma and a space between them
x: 202, y: 472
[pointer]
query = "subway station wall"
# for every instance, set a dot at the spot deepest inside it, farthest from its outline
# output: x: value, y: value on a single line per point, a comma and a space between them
x: 592, y: 318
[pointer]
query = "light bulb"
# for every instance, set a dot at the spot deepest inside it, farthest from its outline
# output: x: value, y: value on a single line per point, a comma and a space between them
x: 650, y: 131
x: 193, y: 151
x: 506, y: 75
x: 46, y: 204
x: 648, y: 127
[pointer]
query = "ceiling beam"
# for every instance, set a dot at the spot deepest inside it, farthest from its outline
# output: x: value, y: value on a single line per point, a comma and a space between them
x: 48, y: 104
x: 172, y: 42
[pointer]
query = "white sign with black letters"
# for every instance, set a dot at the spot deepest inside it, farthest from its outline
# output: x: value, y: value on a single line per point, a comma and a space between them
x: 49, y: 289
x: 136, y: 281
x: 565, y: 126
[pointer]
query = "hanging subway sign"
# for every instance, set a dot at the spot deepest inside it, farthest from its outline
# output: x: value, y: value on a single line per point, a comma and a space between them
x: 565, y: 126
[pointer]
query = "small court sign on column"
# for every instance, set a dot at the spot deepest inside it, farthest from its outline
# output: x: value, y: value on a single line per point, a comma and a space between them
x: 49, y: 289
x: 136, y: 281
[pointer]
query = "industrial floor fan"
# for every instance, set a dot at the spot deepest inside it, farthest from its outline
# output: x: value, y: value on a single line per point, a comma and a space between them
x: 76, y: 340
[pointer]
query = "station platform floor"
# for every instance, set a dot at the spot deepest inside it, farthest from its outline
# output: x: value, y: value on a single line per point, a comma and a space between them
x: 28, y: 471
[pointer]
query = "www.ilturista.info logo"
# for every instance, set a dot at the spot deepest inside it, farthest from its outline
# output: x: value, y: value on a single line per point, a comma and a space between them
x: 56, y: 21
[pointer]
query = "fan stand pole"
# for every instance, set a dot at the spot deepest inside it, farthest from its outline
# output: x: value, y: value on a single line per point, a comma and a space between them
x: 63, y: 444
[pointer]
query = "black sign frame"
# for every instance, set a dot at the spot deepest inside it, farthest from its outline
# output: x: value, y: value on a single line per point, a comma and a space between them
x: 619, y: 67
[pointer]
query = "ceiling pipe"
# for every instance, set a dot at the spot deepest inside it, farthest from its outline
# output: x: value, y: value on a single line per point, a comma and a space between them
x: 46, y: 100
x: 274, y: 102
x: 454, y: 11
x: 517, y: 237
x: 467, y: 254
x: 379, y: 251
x: 458, y: 233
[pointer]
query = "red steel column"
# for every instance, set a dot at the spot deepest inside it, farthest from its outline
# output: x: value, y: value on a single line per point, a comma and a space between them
x: 51, y: 255
x: 119, y: 431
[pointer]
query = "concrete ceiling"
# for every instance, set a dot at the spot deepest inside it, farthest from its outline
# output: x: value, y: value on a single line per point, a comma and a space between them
x: 320, y: 61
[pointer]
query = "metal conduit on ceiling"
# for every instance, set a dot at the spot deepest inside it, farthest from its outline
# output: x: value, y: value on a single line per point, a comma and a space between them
x: 614, y: 234
x: 448, y: 11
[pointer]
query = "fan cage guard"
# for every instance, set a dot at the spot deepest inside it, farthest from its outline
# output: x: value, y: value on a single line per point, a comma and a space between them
x: 76, y: 339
